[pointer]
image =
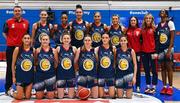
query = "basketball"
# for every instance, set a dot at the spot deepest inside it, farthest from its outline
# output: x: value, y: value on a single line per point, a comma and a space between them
x: 84, y: 93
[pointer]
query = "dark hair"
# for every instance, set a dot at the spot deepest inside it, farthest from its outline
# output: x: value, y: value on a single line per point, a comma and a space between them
x: 166, y: 12
x: 83, y: 48
x: 66, y: 32
x: 78, y: 6
x: 97, y: 12
x: 137, y: 24
x: 17, y: 7
x: 64, y: 13
x: 115, y: 15
x: 122, y: 36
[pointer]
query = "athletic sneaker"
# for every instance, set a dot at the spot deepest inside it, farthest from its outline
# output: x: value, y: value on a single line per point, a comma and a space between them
x: 152, y: 90
x: 147, y: 91
x: 138, y: 89
x: 10, y: 92
x: 169, y: 91
x: 164, y: 90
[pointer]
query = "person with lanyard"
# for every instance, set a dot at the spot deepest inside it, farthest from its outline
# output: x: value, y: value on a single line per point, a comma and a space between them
x: 165, y: 41
x: 149, y: 53
x: 106, y: 64
x: 13, y: 31
x: 66, y: 71
x: 126, y: 69
x: 96, y: 30
x: 79, y: 28
x: 116, y: 30
x: 134, y: 41
x: 39, y: 28
x: 46, y: 59
x: 86, y: 64
x: 58, y: 29
x: 23, y: 65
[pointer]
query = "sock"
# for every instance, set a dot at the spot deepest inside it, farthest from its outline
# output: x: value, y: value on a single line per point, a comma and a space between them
x: 165, y: 86
x: 154, y: 86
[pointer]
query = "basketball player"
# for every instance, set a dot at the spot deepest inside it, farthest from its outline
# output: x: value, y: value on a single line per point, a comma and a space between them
x: 46, y: 63
x: 58, y: 29
x: 116, y: 30
x: 23, y: 68
x: 149, y: 53
x: 134, y: 41
x: 97, y: 29
x: 106, y: 71
x: 87, y: 63
x: 79, y: 28
x: 42, y: 26
x: 66, y: 71
x: 126, y: 69
x: 165, y: 34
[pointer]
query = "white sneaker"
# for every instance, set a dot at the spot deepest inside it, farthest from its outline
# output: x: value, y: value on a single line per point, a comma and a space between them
x: 10, y: 92
x: 138, y: 89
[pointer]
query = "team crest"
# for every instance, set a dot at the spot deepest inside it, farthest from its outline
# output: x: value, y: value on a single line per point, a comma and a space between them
x: 66, y: 63
x: 123, y: 64
x: 79, y: 34
x: 96, y: 37
x: 45, y: 64
x: 163, y: 38
x: 105, y: 62
x: 88, y: 64
x: 115, y: 40
x: 26, y: 65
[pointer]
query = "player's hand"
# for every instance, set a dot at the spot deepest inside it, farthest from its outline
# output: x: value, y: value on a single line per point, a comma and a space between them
x: 134, y: 80
x: 14, y: 80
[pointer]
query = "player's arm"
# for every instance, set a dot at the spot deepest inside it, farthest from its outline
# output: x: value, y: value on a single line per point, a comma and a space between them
x: 55, y: 58
x: 114, y: 52
x: 135, y: 66
x: 14, y: 58
x: 5, y: 30
x: 76, y: 59
x: 33, y: 33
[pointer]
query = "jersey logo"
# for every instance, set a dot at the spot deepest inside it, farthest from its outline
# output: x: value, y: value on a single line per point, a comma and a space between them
x: 26, y: 65
x: 123, y: 64
x: 45, y: 64
x: 163, y: 38
x: 66, y: 63
x: 88, y: 64
x: 79, y: 34
x: 96, y: 37
x: 115, y: 40
x: 105, y: 62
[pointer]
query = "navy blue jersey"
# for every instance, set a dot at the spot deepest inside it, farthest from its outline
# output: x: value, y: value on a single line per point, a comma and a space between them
x: 66, y: 61
x: 40, y: 29
x: 78, y: 33
x: 45, y: 68
x: 163, y: 35
x: 58, y: 33
x: 106, y: 61
x: 124, y: 63
x: 25, y: 66
x: 96, y: 33
x: 87, y: 63
x: 115, y: 35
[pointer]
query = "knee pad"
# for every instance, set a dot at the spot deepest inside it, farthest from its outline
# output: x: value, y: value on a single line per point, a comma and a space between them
x: 119, y: 82
x: 39, y: 86
x: 82, y: 80
x: 101, y: 82
x: 50, y: 81
x: 61, y: 83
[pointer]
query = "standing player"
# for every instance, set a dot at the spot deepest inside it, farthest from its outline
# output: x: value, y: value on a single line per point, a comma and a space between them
x: 87, y: 63
x: 47, y: 62
x: 58, y: 29
x: 126, y: 68
x: 148, y: 52
x: 79, y: 28
x: 13, y: 31
x: 97, y: 29
x: 134, y: 41
x: 66, y: 72
x: 165, y: 34
x: 106, y: 71
x: 42, y: 26
x: 23, y: 64
x: 116, y: 30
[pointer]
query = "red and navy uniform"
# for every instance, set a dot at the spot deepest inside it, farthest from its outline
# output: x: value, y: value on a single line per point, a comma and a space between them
x: 96, y: 33
x: 25, y: 67
x: 115, y: 34
x: 79, y: 30
x: 58, y: 33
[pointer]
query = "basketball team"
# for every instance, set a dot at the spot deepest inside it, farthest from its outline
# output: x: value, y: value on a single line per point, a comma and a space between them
x: 106, y: 60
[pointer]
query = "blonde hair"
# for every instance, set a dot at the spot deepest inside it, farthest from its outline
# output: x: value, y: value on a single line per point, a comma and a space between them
x: 42, y: 35
x: 144, y: 25
x: 83, y: 48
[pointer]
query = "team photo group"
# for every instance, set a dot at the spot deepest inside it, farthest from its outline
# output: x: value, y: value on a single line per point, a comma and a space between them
x: 70, y: 59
